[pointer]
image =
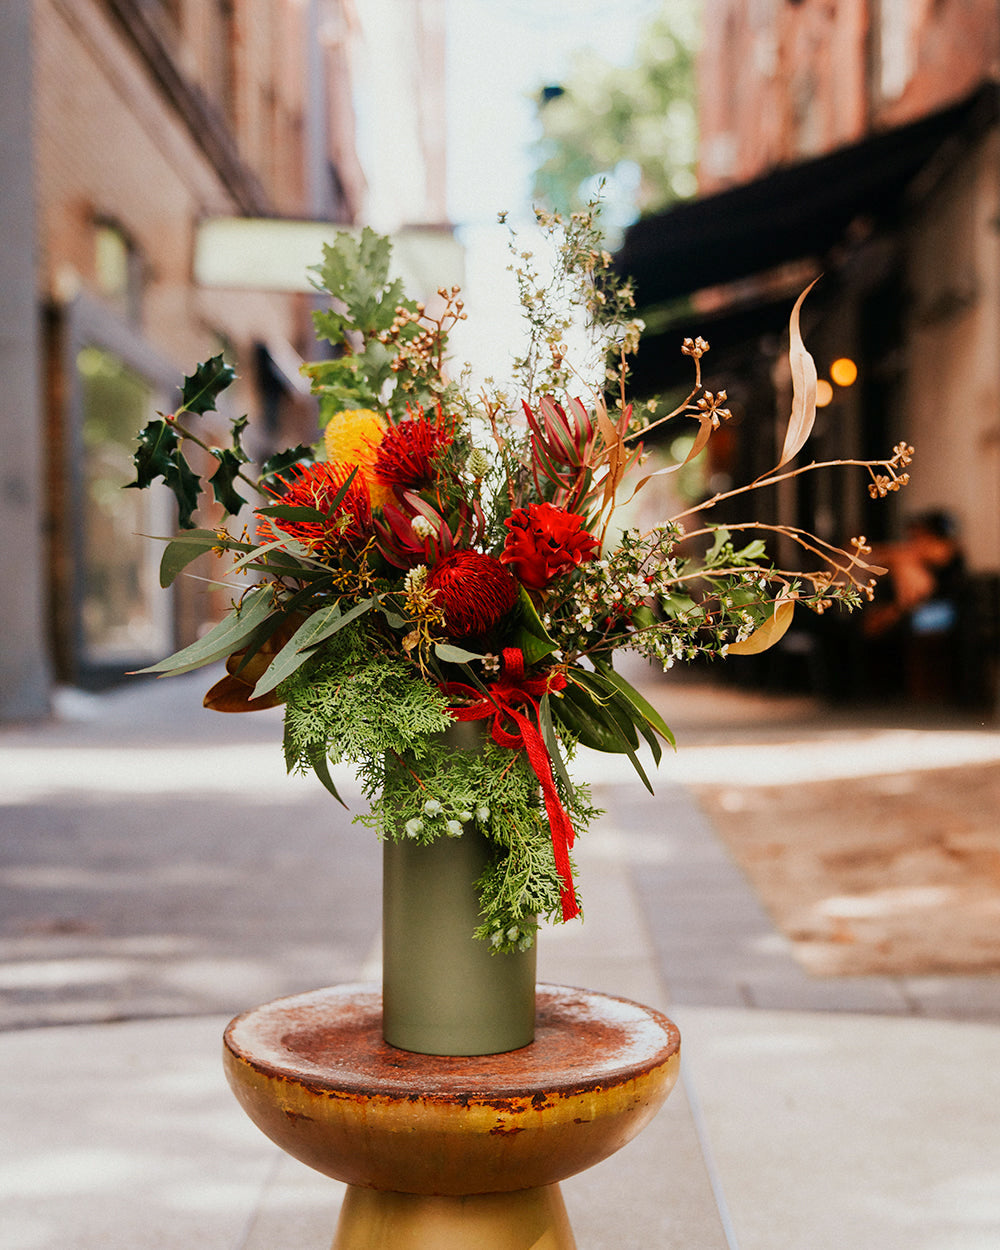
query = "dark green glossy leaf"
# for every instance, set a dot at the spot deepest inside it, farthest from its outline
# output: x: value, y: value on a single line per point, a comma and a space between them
x: 620, y: 713
x: 282, y: 460
x: 223, y: 478
x: 152, y: 458
x: 551, y: 741
x: 529, y: 633
x: 186, y: 485
x: 321, y: 767
x: 588, y: 720
x: 201, y: 389
x: 642, y: 705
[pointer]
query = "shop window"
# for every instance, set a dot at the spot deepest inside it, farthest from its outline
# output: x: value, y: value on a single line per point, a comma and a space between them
x: 122, y: 615
x: 118, y: 271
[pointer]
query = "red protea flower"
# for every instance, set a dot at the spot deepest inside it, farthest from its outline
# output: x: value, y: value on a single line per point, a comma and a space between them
x: 316, y: 486
x: 473, y: 590
x: 406, y: 456
x: 544, y: 541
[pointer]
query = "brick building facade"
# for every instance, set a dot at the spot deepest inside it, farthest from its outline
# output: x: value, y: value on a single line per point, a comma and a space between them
x: 857, y: 140
x: 125, y: 125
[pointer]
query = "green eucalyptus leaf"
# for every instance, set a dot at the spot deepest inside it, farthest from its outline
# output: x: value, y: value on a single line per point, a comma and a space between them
x: 317, y: 627
x: 292, y: 512
x: 181, y: 551
x: 449, y: 654
x: 222, y: 639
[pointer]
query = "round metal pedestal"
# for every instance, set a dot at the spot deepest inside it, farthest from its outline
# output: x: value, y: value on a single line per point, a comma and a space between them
x: 443, y: 1152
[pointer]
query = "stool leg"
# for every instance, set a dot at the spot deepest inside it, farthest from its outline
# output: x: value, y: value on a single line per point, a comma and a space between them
x: 526, y: 1219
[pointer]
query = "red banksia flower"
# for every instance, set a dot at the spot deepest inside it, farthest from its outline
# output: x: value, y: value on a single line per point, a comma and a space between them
x: 544, y: 541
x: 316, y: 486
x: 473, y: 590
x: 407, y: 453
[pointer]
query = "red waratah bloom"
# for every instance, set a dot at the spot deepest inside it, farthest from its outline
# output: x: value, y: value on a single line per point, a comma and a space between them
x: 473, y: 590
x: 544, y: 541
x: 407, y: 453
x: 316, y: 486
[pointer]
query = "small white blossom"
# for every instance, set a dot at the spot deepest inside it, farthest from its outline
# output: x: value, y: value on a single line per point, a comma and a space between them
x: 413, y: 827
x: 432, y: 808
x: 453, y: 828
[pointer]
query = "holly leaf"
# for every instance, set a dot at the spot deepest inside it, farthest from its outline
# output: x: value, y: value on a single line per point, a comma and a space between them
x: 201, y: 389
x: 283, y: 460
x: 186, y: 485
x: 152, y: 458
x: 222, y: 480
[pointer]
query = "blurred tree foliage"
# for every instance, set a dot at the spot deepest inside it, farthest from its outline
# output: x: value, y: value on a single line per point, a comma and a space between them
x: 632, y: 128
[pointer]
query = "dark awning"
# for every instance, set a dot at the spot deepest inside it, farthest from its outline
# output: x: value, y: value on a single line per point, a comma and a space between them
x: 795, y: 212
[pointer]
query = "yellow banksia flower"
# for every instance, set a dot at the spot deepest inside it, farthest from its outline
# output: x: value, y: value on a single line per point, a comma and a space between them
x: 352, y: 438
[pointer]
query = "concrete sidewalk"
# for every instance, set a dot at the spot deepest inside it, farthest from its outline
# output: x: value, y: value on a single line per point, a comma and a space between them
x: 793, y: 1128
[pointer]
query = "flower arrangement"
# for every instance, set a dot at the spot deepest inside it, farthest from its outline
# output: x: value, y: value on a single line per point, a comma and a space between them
x: 442, y: 555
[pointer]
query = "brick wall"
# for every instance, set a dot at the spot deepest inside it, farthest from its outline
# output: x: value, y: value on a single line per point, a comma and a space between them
x: 780, y: 80
x: 150, y: 146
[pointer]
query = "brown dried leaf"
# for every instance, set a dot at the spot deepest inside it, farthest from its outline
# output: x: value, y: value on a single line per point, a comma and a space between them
x: 232, y: 694
x: 800, y: 423
x: 697, y: 447
x: 616, y: 453
x: 766, y: 635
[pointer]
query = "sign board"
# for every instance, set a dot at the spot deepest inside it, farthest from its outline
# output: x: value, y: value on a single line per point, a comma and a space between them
x: 274, y: 254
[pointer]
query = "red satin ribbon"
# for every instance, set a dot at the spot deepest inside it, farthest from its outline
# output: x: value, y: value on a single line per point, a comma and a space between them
x: 510, y: 689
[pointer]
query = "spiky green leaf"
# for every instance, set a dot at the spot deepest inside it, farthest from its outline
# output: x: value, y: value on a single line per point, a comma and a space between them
x: 222, y: 480
x: 203, y: 387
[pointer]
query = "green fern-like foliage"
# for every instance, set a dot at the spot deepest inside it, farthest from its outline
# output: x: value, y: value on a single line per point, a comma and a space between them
x: 353, y: 704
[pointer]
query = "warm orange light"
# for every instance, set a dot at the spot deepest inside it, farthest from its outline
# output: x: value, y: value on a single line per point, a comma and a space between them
x: 844, y: 371
x: 824, y: 393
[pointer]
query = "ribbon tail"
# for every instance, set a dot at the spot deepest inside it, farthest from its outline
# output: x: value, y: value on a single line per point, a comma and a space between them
x: 560, y: 825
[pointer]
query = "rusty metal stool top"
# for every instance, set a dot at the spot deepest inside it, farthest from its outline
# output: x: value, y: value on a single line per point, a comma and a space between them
x: 314, y: 1074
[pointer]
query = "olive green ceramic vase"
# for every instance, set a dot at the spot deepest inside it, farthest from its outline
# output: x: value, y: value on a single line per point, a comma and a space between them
x: 445, y: 992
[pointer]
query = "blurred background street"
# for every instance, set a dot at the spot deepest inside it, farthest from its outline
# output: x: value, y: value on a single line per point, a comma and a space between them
x: 814, y: 891
x: 160, y: 873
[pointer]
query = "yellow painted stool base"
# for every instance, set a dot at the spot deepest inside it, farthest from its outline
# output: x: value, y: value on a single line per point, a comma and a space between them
x: 527, y: 1219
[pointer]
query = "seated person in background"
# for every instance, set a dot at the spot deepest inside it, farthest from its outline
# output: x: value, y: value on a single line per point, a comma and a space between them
x: 917, y: 608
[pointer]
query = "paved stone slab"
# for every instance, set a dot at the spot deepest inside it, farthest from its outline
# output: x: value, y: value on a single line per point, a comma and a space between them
x: 841, y: 1130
